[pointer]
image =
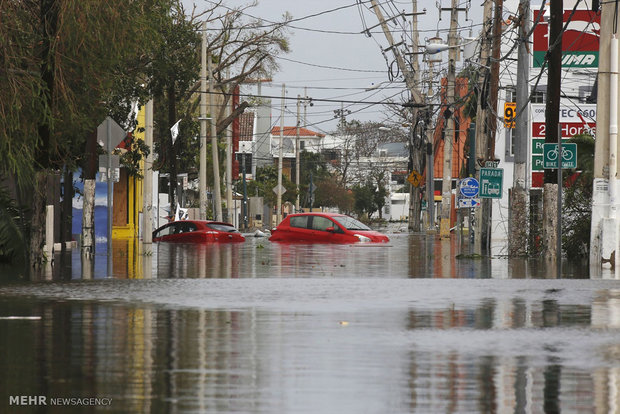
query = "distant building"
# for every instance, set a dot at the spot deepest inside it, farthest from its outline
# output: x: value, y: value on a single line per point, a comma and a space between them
x: 308, y: 141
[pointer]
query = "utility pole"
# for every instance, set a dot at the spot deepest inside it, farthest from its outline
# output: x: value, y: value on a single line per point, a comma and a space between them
x: 297, y: 158
x: 217, y: 195
x: 604, y: 238
x: 245, y: 194
x: 491, y: 114
x: 482, y: 214
x: 552, y: 120
x: 430, y: 179
x: 280, y: 145
x: 519, y: 222
x: 415, y: 144
x: 147, y: 209
x: 229, y: 151
x: 306, y: 102
x: 409, y: 79
x: 202, y: 179
x: 446, y: 187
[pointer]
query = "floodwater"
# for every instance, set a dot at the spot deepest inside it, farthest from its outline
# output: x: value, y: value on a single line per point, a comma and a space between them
x: 264, y: 327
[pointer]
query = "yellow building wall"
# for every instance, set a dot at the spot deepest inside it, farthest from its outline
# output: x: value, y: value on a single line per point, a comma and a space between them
x: 135, y: 195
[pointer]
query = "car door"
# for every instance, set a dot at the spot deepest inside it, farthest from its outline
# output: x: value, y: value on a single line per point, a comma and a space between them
x: 187, y: 233
x: 325, y: 230
x: 166, y: 233
x: 174, y: 234
x: 299, y: 229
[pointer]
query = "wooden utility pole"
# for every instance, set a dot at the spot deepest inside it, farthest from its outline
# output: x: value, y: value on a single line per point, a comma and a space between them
x: 519, y: 221
x: 229, y: 155
x: 217, y: 195
x: 280, y: 150
x: 415, y: 143
x: 297, y: 159
x: 482, y: 214
x: 491, y: 117
x: 409, y: 78
x: 410, y: 81
x: 448, y: 142
x: 430, y: 179
x: 498, y: 21
x: 552, y: 119
x: 202, y: 174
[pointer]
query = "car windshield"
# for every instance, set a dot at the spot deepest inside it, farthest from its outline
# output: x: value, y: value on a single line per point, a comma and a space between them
x: 222, y: 227
x: 350, y: 223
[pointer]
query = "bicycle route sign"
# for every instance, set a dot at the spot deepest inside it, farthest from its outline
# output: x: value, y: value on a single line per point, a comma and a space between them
x: 569, y: 155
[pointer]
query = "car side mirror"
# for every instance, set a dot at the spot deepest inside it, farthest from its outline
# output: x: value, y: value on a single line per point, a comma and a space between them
x: 330, y: 229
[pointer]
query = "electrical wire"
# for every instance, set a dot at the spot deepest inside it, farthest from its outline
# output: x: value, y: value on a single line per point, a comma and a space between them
x: 329, y: 67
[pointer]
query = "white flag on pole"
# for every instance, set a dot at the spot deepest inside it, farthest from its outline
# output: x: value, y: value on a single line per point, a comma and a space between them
x: 175, y: 131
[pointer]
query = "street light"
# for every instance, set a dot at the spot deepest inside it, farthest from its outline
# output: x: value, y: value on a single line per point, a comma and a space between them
x: 435, y: 45
x: 374, y: 86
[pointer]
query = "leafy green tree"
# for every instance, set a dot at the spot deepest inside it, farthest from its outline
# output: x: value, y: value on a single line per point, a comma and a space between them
x: 330, y: 193
x: 13, y: 229
x: 61, y: 61
x: 364, y: 200
x: 237, y: 48
x: 370, y: 196
x: 577, y: 206
x: 312, y: 167
x: 359, y: 141
x: 172, y: 73
x: 266, y: 179
x: 66, y: 64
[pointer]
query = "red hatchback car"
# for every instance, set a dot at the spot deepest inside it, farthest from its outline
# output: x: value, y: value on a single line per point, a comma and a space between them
x: 324, y: 228
x: 197, y: 231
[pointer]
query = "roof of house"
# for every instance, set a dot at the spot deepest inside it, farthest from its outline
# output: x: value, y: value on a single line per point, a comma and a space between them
x: 291, y: 131
x: 246, y: 126
x: 395, y: 149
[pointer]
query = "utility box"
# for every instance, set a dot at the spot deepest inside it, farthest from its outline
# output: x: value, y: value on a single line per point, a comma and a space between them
x: 255, y: 211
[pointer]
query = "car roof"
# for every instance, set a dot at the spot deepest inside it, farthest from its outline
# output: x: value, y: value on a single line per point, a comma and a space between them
x: 199, y: 222
x: 316, y: 213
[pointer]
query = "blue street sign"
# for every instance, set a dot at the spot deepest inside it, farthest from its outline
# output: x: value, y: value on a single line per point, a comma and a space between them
x: 469, y: 187
x: 469, y: 202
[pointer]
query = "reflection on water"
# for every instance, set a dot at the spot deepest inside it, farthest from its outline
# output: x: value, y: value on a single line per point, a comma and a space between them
x: 406, y: 256
x: 264, y: 327
x: 517, y: 356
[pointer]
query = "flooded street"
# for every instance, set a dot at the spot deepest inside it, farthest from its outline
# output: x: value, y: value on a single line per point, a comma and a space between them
x: 262, y: 327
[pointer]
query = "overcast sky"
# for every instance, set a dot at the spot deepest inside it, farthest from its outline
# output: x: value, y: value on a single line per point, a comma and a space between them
x: 332, y: 57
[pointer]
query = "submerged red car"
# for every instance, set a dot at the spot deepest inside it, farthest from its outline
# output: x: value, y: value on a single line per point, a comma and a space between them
x: 197, y: 231
x: 325, y: 228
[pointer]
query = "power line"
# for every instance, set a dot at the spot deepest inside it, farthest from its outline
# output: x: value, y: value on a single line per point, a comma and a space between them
x: 272, y: 23
x: 313, y: 99
x: 329, y: 67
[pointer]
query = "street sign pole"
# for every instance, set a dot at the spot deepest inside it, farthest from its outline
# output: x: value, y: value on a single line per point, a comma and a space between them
x: 110, y: 193
x: 559, y: 218
x: 110, y: 134
x: 559, y: 156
